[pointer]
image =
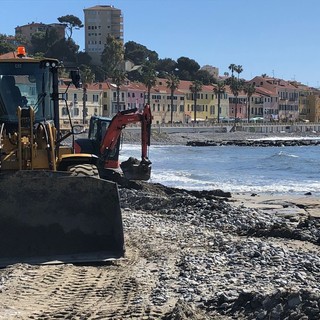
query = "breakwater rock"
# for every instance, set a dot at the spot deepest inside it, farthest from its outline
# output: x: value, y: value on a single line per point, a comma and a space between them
x: 256, y: 143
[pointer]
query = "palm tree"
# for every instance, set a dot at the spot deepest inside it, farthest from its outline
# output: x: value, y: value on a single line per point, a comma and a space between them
x: 232, y: 67
x: 220, y: 88
x: 249, y: 89
x: 87, y: 77
x: 195, y: 88
x: 172, y: 83
x: 148, y: 74
x: 118, y: 77
x: 238, y: 69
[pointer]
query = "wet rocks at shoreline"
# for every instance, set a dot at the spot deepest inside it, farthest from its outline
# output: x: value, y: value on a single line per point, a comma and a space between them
x: 231, y: 261
x: 240, y: 138
x: 256, y: 143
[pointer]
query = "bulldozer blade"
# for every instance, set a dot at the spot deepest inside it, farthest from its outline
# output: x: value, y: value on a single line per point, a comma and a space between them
x: 54, y: 217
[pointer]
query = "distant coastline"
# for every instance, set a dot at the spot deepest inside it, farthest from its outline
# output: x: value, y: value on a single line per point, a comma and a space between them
x: 221, y: 135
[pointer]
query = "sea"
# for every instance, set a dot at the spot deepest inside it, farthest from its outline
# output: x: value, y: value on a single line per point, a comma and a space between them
x: 271, y: 170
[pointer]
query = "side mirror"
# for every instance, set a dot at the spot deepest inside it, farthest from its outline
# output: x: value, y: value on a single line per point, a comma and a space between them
x: 75, y: 77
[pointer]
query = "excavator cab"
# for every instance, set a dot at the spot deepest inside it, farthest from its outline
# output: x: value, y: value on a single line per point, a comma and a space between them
x: 54, y: 205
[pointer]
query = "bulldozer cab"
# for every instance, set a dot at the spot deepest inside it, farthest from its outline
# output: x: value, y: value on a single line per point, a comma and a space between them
x: 26, y: 85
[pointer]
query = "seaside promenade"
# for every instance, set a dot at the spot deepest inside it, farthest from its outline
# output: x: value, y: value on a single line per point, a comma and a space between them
x: 262, y: 128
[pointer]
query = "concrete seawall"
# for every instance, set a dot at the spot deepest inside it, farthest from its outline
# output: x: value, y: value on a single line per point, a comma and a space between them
x: 223, y: 128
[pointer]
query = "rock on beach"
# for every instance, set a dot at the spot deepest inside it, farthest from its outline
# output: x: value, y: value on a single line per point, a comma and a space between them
x: 235, y: 262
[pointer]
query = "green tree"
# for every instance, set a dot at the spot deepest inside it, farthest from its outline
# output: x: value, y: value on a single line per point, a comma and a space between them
x: 172, y: 83
x: 112, y: 56
x: 5, y: 47
x: 118, y: 77
x: 205, y: 77
x: 72, y: 22
x: 232, y: 67
x: 165, y: 66
x: 148, y: 75
x: 249, y: 89
x: 236, y: 84
x: 238, y: 69
x: 195, y: 88
x: 139, y: 54
x: 49, y: 44
x: 187, y: 68
x: 83, y: 58
x: 64, y: 50
x: 218, y: 90
x: 38, y: 43
x: 87, y: 77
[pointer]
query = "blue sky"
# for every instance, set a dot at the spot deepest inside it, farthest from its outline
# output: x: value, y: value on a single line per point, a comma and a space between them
x: 276, y: 37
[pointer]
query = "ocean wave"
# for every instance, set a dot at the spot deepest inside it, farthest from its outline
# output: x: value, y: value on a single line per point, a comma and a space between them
x: 284, y: 154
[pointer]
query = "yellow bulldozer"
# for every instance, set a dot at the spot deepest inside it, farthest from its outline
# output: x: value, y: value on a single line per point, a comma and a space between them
x: 53, y: 205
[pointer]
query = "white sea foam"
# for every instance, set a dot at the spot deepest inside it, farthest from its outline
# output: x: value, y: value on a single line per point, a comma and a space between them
x: 286, y: 138
x: 285, y: 154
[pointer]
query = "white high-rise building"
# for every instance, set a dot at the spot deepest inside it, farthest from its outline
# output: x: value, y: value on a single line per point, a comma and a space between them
x: 99, y: 22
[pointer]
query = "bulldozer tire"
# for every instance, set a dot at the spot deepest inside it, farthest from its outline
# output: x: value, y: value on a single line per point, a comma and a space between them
x: 84, y: 170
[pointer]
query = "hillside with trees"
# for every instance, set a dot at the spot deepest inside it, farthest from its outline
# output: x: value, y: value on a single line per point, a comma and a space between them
x: 49, y: 44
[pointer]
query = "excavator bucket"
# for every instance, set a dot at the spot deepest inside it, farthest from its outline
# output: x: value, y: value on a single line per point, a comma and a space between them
x: 134, y: 169
x: 54, y: 217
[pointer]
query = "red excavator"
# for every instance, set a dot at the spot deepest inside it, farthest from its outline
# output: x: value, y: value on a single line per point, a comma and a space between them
x: 104, y: 141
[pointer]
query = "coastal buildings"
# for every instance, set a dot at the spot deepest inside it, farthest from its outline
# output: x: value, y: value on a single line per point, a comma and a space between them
x: 99, y: 22
x: 274, y: 100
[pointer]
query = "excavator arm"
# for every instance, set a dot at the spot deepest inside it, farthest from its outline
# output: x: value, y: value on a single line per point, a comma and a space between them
x: 120, y: 121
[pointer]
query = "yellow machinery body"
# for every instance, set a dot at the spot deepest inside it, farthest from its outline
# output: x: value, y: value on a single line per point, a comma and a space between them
x: 54, y: 206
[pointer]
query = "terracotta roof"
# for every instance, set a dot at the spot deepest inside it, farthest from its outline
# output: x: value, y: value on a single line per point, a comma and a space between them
x: 9, y: 55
